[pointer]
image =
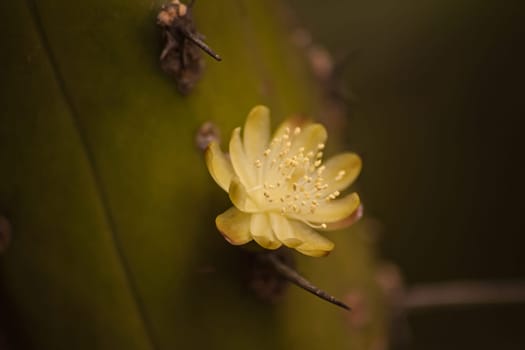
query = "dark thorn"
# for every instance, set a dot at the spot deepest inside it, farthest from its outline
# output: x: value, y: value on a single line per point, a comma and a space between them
x: 203, y: 46
x: 294, y: 277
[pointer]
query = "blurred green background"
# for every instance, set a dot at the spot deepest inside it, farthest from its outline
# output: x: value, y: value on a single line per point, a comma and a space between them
x: 435, y: 110
x: 113, y: 242
x: 437, y: 115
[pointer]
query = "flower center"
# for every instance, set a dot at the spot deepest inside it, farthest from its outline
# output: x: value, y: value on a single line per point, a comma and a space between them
x: 291, y: 177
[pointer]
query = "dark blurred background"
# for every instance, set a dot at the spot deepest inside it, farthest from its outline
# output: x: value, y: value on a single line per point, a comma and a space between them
x: 437, y: 112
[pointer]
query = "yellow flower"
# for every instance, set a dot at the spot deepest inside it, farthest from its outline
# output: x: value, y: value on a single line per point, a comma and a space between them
x: 281, y: 191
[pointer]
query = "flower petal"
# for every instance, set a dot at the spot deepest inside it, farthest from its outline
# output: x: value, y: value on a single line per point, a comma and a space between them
x: 341, y: 170
x: 239, y: 196
x: 244, y: 169
x: 309, y: 137
x: 314, y: 244
x: 346, y: 222
x: 234, y: 225
x: 334, y: 210
x: 262, y: 233
x: 219, y: 165
x: 313, y: 253
x: 256, y: 132
x: 283, y: 231
x: 289, y: 124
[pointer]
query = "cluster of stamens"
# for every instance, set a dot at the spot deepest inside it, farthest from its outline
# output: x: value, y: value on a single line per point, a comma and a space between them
x: 291, y: 180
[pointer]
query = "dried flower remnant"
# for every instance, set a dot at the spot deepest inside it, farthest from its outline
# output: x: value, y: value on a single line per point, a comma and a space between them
x: 206, y: 134
x: 181, y: 57
x: 281, y: 191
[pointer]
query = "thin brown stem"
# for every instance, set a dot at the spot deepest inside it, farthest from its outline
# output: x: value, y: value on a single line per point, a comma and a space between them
x: 463, y: 293
x: 293, y: 276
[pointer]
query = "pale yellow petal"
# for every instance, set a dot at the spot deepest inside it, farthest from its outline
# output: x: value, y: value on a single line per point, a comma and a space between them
x: 234, y: 225
x: 346, y: 222
x: 261, y: 231
x: 310, y: 137
x: 313, y: 243
x: 242, y: 166
x: 256, y: 133
x: 283, y: 231
x: 240, y: 197
x: 341, y: 171
x: 219, y: 165
x: 334, y: 210
x: 313, y: 253
x: 290, y: 124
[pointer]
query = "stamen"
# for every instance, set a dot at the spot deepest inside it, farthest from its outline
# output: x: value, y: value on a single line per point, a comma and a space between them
x: 340, y: 175
x: 322, y: 225
x: 333, y: 195
x: 283, y: 161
